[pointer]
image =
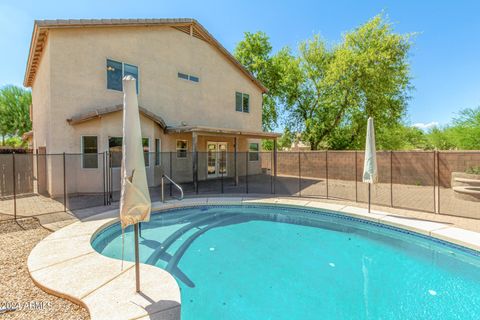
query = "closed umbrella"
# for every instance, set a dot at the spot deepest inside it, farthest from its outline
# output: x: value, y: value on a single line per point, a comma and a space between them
x: 135, y: 204
x: 370, y: 172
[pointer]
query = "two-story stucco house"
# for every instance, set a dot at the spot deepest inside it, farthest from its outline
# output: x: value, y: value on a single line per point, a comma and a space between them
x: 193, y: 95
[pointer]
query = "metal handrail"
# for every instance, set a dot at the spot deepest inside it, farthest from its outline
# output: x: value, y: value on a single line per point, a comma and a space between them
x: 164, y: 176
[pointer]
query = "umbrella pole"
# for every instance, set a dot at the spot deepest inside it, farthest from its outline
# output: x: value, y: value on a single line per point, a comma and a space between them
x: 137, y: 263
x: 369, y: 188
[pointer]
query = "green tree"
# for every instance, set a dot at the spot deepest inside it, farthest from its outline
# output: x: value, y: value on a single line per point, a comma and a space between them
x: 465, y: 130
x: 463, y: 133
x: 441, y: 138
x: 330, y: 91
x: 255, y: 53
x: 14, y: 111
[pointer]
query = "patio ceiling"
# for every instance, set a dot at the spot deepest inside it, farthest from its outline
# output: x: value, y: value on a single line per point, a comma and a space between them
x: 222, y: 131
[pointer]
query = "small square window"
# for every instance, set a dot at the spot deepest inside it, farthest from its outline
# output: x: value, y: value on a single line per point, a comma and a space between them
x: 182, y: 148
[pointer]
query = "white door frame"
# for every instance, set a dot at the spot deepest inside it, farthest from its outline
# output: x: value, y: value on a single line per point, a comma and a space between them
x: 217, y: 158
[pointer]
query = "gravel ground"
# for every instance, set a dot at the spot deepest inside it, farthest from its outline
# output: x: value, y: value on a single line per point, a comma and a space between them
x: 16, y: 287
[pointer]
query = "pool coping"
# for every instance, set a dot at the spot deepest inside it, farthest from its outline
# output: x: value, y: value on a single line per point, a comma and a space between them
x: 62, y: 263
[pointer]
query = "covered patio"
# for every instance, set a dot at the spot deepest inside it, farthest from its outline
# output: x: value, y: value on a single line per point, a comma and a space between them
x: 216, y: 152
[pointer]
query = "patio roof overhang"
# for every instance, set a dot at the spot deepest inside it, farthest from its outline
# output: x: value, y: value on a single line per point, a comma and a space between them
x: 98, y: 113
x: 199, y: 130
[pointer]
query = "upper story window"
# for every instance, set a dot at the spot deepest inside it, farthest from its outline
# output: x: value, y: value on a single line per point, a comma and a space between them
x: 116, y: 71
x: 242, y: 102
x: 185, y: 76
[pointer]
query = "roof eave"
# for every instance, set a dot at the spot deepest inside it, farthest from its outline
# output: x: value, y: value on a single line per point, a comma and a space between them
x: 52, y: 24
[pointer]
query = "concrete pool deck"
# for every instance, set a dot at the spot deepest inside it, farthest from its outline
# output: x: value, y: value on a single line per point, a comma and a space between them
x: 66, y: 265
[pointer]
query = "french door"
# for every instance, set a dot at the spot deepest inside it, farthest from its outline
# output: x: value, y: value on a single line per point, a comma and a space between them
x: 216, y: 159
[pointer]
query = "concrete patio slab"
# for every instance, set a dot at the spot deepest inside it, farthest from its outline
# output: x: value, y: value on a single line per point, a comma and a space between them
x: 117, y: 299
x: 50, y: 252
x: 59, y: 275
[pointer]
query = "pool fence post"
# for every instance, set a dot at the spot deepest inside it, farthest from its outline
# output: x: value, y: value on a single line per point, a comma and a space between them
x: 271, y: 172
x: 299, y: 174
x: 369, y: 189
x: 36, y: 162
x: 235, y: 151
x: 434, y: 184
x: 438, y: 179
x: 195, y: 160
x: 221, y: 170
x: 14, y: 187
x: 104, y: 179
x: 391, y: 178
x: 137, y: 262
x: 247, y: 154
x: 64, y: 186
x: 110, y: 182
x: 356, y: 178
x: 171, y: 173
x: 275, y: 160
x: 326, y: 169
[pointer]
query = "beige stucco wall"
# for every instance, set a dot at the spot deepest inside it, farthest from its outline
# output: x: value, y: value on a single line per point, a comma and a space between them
x: 41, y: 99
x: 79, y: 78
x: 72, y: 79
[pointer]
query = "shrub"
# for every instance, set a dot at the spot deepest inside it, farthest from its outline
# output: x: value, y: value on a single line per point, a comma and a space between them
x: 473, y: 170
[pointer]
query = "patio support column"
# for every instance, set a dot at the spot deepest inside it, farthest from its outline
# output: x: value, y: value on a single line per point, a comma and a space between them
x: 274, y: 164
x: 235, y: 150
x: 195, y: 160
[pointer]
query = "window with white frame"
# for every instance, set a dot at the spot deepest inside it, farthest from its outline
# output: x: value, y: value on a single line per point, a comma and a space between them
x: 182, y: 148
x: 158, y: 150
x: 89, y: 152
x: 253, y: 151
x: 116, y: 71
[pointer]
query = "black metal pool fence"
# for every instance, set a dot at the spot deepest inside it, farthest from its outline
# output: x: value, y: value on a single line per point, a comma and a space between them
x: 417, y: 180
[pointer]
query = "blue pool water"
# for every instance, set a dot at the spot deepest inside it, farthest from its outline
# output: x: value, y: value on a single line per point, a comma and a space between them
x: 264, y: 262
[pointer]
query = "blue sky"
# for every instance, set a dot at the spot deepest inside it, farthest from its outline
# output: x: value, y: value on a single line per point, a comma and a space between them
x: 445, y: 58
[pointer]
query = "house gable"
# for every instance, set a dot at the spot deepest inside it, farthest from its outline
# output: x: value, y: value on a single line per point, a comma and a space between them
x: 188, y: 26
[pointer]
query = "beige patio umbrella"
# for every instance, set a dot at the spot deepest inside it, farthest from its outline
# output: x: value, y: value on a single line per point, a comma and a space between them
x: 370, y: 172
x: 135, y: 204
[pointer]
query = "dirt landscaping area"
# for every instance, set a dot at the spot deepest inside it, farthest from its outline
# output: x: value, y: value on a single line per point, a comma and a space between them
x: 17, y: 290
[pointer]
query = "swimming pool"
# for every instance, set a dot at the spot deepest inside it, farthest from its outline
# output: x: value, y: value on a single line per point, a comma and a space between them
x: 271, y: 262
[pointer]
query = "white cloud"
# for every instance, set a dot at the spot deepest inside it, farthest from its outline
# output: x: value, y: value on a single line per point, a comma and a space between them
x: 425, y: 126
